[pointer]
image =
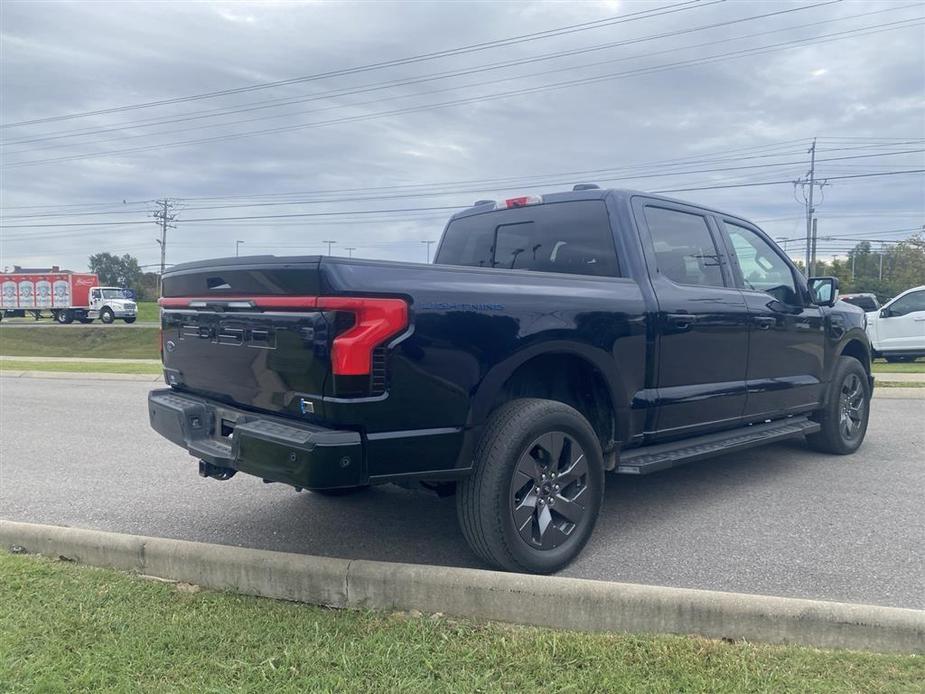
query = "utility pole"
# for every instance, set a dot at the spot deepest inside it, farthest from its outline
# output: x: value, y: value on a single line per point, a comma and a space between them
x: 350, y: 250
x: 237, y: 245
x: 163, y: 215
x: 809, y: 180
x: 812, y: 263
x: 428, y: 243
x: 880, y: 275
x: 330, y: 243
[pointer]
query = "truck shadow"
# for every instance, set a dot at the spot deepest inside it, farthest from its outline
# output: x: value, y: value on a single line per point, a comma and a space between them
x: 393, y: 524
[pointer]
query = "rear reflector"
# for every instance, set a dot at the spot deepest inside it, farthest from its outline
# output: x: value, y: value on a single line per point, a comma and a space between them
x: 375, y: 321
x: 523, y: 201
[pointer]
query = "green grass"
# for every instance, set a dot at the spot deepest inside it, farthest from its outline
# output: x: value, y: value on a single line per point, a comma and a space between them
x: 79, y: 367
x: 84, y: 341
x: 68, y: 628
x: 915, y: 367
x: 148, y: 311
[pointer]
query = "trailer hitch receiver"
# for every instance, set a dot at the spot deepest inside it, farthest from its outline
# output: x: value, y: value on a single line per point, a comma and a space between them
x: 216, y: 472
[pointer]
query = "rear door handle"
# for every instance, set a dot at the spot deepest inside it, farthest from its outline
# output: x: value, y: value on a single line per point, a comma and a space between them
x: 765, y: 322
x: 680, y: 321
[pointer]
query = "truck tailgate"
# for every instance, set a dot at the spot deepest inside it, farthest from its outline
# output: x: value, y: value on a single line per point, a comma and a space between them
x: 269, y: 360
x: 259, y: 333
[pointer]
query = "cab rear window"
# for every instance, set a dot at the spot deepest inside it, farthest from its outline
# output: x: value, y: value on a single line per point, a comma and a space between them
x: 570, y: 237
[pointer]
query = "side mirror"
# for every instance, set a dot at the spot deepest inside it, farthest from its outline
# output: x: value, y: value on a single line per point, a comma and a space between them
x: 824, y: 290
x: 885, y: 313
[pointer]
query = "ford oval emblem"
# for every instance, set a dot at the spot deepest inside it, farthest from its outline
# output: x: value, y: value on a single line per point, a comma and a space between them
x: 170, y: 345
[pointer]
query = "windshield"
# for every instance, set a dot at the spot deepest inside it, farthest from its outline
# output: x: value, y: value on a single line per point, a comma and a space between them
x: 112, y: 293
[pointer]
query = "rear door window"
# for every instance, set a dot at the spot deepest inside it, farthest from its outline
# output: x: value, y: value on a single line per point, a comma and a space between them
x: 570, y: 237
x: 684, y: 247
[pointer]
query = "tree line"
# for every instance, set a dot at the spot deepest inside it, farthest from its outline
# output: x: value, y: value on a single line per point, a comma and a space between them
x: 885, y: 272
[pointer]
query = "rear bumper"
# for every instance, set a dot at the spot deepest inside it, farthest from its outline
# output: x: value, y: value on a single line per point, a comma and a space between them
x: 276, y: 449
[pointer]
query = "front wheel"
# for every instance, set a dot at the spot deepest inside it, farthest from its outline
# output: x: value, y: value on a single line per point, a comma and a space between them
x: 107, y: 316
x: 845, y: 415
x: 535, y: 493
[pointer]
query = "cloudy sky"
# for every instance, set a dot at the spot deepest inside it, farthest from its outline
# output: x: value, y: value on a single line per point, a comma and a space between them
x: 285, y: 124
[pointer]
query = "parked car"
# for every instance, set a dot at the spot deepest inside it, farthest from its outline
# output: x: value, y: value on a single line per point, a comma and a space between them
x: 866, y: 302
x: 897, y: 331
x: 555, y: 338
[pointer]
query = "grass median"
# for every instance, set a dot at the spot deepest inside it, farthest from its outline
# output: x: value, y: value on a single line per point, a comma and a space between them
x: 73, y: 628
x: 84, y: 341
x: 79, y: 367
x: 914, y: 367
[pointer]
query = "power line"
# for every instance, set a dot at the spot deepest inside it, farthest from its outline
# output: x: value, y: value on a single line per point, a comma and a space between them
x: 460, y: 50
x: 458, y: 191
x: 705, y: 60
x: 276, y: 103
x: 444, y: 207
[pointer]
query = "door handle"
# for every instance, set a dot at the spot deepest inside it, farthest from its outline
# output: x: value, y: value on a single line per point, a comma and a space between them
x: 765, y: 322
x: 680, y: 321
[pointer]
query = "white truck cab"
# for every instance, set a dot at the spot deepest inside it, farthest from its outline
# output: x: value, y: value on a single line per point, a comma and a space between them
x: 897, y: 330
x: 110, y: 303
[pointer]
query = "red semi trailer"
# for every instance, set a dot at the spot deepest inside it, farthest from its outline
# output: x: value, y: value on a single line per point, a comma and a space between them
x: 66, y: 295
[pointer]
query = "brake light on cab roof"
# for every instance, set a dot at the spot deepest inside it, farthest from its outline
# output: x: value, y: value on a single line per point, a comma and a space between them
x: 522, y: 201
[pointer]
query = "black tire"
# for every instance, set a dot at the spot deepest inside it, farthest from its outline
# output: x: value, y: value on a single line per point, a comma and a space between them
x: 339, y: 491
x: 517, y: 473
x: 107, y: 316
x: 847, y: 411
x: 129, y: 320
x: 64, y: 317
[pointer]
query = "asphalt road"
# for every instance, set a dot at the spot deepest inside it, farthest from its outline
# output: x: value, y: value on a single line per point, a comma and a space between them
x: 776, y: 521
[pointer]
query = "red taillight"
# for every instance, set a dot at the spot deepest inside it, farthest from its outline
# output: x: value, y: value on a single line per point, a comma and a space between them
x: 522, y: 201
x: 376, y: 320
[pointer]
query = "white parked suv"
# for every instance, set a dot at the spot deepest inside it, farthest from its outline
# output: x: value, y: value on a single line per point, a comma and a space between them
x: 897, y: 330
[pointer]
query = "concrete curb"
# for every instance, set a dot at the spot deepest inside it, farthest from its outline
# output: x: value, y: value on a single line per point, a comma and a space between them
x: 78, y: 376
x: 580, y: 604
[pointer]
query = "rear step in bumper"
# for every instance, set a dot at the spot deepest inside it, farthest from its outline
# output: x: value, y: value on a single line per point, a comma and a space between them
x: 300, y: 454
x: 642, y: 461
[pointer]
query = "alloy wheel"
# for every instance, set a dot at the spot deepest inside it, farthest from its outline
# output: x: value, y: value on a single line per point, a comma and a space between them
x: 549, y: 482
x: 851, y: 407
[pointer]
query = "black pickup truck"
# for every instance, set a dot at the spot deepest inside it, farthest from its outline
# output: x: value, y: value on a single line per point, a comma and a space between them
x: 553, y: 338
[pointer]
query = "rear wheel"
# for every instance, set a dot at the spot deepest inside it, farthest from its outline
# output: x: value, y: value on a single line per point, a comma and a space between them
x: 844, y: 418
x: 533, y: 499
x: 64, y: 317
x: 107, y: 316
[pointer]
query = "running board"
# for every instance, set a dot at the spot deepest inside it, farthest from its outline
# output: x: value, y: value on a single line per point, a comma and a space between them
x: 642, y: 461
